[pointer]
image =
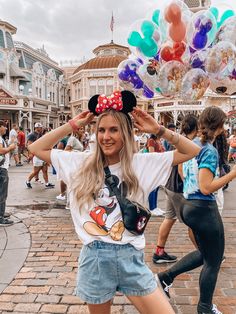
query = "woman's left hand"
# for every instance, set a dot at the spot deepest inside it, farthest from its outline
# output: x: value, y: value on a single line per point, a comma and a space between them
x: 144, y: 121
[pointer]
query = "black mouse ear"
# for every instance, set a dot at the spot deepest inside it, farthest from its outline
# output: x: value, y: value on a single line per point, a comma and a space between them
x: 129, y: 101
x: 92, y: 104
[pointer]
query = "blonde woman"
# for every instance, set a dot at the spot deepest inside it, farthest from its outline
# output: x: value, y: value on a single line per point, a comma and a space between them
x: 112, y: 258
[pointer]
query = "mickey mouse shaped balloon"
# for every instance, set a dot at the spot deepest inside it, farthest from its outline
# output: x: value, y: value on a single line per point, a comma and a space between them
x: 201, y: 30
x: 123, y: 102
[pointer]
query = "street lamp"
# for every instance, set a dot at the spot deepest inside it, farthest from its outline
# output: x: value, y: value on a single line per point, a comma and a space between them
x: 21, y: 88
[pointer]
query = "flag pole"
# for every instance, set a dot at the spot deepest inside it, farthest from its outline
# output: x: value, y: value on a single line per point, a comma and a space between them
x: 112, y: 26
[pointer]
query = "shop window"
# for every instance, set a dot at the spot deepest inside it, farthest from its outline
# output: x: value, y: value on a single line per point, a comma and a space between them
x: 2, y: 43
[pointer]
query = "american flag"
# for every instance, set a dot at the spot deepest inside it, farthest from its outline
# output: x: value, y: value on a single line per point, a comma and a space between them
x: 112, y: 22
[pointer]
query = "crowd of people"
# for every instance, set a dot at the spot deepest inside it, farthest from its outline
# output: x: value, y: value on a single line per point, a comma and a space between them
x: 191, y: 165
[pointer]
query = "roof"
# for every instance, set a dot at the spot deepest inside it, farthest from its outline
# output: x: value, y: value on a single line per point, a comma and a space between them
x: 110, y: 45
x: 101, y: 63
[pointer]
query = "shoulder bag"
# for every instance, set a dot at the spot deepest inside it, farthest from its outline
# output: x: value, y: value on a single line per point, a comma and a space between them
x: 135, y: 216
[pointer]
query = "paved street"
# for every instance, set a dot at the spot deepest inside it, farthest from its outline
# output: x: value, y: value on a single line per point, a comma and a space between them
x: 38, y: 256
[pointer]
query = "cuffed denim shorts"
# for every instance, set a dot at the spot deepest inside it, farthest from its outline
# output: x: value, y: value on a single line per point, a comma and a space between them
x: 105, y: 268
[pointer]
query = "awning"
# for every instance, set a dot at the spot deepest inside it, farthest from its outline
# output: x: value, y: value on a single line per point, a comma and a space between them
x: 16, y: 72
x: 2, y: 67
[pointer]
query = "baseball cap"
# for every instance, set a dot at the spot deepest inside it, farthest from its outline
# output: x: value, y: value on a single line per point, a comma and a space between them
x: 38, y: 125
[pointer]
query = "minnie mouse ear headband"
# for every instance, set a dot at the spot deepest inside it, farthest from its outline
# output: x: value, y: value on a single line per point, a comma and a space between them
x: 123, y: 102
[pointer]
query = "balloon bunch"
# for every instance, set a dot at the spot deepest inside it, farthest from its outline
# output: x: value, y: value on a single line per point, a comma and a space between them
x: 177, y: 53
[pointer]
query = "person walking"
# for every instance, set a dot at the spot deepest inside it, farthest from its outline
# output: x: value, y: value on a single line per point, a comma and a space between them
x: 21, y: 144
x: 13, y: 140
x: 4, y: 165
x: 154, y: 145
x: 112, y: 257
x: 38, y: 164
x: 200, y: 212
x: 174, y: 198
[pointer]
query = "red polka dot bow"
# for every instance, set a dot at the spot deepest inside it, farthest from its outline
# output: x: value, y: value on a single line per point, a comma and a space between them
x: 109, y: 102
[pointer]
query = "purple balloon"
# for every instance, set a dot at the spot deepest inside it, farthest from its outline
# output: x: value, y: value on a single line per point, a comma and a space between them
x: 147, y: 92
x: 123, y: 76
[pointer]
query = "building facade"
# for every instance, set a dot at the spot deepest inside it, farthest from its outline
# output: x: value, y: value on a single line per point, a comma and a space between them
x: 32, y: 86
x: 96, y: 76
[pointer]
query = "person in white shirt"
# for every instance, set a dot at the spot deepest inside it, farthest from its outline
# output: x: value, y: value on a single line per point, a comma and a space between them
x: 13, y: 140
x: 4, y: 164
x: 112, y: 258
x: 92, y: 140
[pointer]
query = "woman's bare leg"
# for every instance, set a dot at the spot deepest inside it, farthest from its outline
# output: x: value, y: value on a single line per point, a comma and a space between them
x: 104, y: 308
x: 154, y: 303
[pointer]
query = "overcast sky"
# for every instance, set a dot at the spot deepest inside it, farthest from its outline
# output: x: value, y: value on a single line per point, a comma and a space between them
x: 71, y: 29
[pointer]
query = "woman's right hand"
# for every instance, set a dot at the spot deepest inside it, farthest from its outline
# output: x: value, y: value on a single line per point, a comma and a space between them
x: 83, y: 118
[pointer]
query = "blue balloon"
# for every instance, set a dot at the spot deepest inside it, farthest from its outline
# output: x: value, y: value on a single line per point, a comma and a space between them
x: 147, y: 92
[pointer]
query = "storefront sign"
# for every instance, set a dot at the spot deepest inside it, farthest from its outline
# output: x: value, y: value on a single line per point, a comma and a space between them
x: 6, y: 99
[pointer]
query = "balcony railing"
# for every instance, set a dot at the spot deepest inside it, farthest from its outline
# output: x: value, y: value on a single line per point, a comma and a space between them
x: 197, y: 5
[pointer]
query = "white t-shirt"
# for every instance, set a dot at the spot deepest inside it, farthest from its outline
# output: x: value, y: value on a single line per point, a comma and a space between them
x: 75, y: 143
x: 103, y: 221
x: 13, y: 137
x: 7, y: 156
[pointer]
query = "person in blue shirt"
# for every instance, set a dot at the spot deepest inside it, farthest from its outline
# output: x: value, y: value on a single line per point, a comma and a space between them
x: 167, y: 145
x: 200, y: 212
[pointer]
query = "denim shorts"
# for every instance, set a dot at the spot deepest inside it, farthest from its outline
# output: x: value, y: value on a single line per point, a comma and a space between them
x: 105, y: 268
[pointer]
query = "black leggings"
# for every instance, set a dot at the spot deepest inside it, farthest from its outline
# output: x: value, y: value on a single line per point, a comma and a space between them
x: 204, y: 219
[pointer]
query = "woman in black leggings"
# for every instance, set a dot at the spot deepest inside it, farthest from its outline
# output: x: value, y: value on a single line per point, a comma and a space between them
x: 201, y: 214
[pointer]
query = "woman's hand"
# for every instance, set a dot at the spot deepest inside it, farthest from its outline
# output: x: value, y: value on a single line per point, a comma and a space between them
x: 144, y: 121
x: 83, y: 118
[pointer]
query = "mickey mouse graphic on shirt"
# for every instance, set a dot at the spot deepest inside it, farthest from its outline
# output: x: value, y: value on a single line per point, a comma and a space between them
x: 106, y: 214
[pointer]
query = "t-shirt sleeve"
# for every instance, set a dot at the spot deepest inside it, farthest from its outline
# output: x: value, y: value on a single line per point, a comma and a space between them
x: 153, y: 169
x: 208, y: 159
x: 67, y: 164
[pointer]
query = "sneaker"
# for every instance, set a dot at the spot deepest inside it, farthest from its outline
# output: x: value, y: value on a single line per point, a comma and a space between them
x: 7, y: 215
x: 5, y: 222
x: 49, y: 186
x: 28, y: 184
x: 165, y: 283
x: 19, y: 164
x: 157, y: 212
x: 213, y: 310
x: 163, y: 258
x: 61, y: 197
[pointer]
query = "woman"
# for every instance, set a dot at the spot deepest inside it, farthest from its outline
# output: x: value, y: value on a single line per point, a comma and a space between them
x: 154, y: 145
x: 200, y: 212
x: 112, y: 258
x: 174, y: 198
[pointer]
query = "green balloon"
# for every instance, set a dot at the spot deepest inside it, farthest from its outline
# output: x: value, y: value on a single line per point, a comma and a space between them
x: 225, y: 16
x: 155, y: 17
x: 134, y: 39
x: 215, y: 12
x: 147, y: 28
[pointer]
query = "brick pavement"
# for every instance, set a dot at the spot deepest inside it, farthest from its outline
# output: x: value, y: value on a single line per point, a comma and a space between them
x: 46, y: 282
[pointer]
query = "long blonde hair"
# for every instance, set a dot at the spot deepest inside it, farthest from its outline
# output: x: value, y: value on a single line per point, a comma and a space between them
x: 90, y: 178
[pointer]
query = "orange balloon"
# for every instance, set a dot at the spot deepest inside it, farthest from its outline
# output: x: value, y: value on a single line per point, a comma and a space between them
x: 177, y: 32
x: 177, y: 28
x: 173, y: 13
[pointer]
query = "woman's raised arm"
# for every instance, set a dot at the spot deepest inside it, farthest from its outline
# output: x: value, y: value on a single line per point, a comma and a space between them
x: 43, y: 146
x: 185, y: 149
